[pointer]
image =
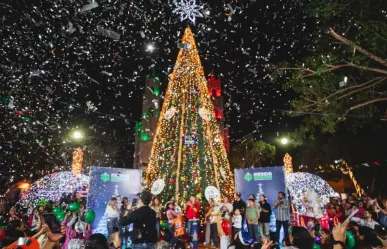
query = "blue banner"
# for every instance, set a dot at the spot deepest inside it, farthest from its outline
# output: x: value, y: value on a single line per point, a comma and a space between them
x: 266, y: 180
x: 106, y: 183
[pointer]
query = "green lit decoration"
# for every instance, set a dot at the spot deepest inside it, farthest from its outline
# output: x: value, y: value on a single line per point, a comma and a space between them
x: 4, y: 100
x: 145, y: 137
x: 138, y: 128
x: 24, y: 118
x: 156, y: 91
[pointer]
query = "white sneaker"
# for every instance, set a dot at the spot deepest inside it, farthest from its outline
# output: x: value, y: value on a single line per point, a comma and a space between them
x: 205, y: 243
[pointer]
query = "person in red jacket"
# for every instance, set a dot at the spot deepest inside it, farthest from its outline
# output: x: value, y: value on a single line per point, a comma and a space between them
x: 192, y: 209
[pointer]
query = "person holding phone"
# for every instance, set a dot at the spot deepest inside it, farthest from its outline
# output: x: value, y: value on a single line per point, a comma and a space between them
x: 144, y: 222
x: 113, y: 213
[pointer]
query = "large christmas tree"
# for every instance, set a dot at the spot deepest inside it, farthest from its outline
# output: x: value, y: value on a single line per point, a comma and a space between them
x: 188, y: 151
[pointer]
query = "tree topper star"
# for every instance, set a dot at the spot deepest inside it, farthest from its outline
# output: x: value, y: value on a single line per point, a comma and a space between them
x: 187, y: 9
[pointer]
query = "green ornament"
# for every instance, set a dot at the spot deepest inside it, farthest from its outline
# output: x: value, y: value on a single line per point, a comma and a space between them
x: 74, y: 207
x: 89, y: 216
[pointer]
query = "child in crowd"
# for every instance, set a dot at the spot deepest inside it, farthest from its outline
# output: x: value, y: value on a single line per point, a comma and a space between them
x: 237, y: 223
x: 178, y: 226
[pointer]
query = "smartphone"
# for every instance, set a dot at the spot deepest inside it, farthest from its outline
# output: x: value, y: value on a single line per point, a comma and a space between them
x: 134, y: 202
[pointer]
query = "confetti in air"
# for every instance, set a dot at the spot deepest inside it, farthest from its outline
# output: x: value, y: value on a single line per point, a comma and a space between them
x: 83, y: 64
x: 187, y: 9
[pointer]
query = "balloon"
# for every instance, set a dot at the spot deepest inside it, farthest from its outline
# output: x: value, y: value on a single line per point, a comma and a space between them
x: 164, y: 224
x: 74, y: 207
x: 80, y: 227
x: 41, y: 203
x: 75, y: 244
x: 226, y: 226
x: 2, y: 234
x: 60, y: 217
x: 350, y: 240
x: 57, y: 210
x: 316, y: 246
x: 89, y: 216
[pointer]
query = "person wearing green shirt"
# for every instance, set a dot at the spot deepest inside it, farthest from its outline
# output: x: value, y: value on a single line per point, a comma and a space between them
x: 252, y: 217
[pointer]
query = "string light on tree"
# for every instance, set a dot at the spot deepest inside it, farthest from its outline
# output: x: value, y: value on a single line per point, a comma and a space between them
x: 77, y: 164
x: 347, y: 170
x: 187, y: 9
x: 188, y: 151
x: 288, y: 164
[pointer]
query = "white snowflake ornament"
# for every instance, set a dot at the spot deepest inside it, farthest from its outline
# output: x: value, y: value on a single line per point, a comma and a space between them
x: 187, y: 9
x: 170, y: 113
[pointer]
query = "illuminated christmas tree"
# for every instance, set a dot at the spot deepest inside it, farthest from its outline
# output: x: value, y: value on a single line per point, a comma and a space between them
x: 188, y: 150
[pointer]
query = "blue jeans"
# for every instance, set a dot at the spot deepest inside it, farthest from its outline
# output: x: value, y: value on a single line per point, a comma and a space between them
x: 143, y: 246
x: 173, y: 239
x: 189, y: 229
x: 278, y: 225
x: 112, y: 222
x: 253, y: 231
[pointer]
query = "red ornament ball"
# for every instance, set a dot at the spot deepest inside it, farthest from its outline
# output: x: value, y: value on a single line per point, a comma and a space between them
x: 172, y: 181
x: 198, y: 188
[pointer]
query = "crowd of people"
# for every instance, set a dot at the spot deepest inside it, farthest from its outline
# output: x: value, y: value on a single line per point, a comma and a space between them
x: 352, y: 223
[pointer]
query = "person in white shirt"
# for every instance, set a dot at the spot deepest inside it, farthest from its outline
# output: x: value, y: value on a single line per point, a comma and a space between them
x: 227, y: 206
x: 113, y: 213
x: 237, y: 223
x: 367, y: 221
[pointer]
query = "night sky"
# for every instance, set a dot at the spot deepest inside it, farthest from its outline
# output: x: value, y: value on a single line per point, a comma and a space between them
x: 53, y: 60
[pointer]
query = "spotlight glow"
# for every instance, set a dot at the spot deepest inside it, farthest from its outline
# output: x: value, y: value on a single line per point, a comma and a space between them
x: 284, y: 141
x: 77, y: 135
x: 150, y: 47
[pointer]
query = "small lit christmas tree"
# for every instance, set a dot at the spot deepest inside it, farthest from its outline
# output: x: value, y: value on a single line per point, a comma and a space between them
x: 102, y: 225
x: 117, y: 194
x: 188, y: 152
x: 260, y: 190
